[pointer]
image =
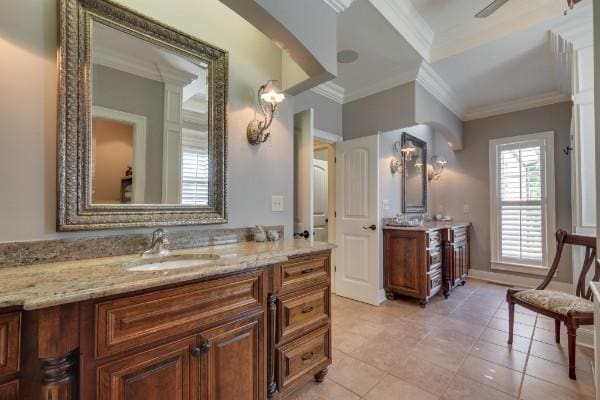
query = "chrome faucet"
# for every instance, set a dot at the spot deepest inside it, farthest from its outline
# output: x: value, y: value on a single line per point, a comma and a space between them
x: 159, y: 245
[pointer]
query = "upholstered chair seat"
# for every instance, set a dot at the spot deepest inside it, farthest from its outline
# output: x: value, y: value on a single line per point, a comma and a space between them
x: 557, y: 302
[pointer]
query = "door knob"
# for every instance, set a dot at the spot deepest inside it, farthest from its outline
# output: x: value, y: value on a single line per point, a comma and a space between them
x: 372, y: 227
x: 305, y: 234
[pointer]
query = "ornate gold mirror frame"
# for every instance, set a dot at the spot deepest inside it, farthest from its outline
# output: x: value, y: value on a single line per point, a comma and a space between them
x: 75, y: 208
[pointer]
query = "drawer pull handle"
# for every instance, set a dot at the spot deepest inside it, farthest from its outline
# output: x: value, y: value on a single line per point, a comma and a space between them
x: 204, y: 347
x: 308, y: 271
x: 308, y: 356
x: 307, y: 310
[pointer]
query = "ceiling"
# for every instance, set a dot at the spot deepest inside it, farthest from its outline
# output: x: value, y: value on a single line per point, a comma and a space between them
x: 506, y: 58
x: 385, y: 57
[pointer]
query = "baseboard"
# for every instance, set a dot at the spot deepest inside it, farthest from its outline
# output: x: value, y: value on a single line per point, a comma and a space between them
x: 585, y: 337
x: 516, y: 280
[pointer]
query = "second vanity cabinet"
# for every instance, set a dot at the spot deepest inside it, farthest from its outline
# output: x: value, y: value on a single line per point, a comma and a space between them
x: 420, y: 263
x: 249, y: 335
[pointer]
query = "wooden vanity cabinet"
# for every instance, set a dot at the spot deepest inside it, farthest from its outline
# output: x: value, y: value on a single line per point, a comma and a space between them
x: 250, y: 335
x: 421, y: 263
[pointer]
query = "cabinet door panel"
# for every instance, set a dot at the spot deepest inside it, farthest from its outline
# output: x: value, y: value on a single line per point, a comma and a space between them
x: 233, y: 366
x: 9, y: 390
x: 164, y: 372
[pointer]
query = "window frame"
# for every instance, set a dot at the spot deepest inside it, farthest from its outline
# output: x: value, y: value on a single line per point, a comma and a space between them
x: 546, y: 139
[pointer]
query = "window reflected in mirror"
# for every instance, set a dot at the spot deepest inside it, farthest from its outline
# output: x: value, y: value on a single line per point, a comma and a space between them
x: 149, y: 137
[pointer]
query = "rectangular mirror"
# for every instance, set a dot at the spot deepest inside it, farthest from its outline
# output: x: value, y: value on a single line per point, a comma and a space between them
x: 147, y: 144
x: 414, y: 178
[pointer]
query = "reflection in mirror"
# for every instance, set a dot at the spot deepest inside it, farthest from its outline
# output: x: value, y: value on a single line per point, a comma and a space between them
x: 149, y: 123
x: 415, y: 176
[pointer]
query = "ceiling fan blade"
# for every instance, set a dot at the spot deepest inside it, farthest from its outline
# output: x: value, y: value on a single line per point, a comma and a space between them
x: 491, y: 8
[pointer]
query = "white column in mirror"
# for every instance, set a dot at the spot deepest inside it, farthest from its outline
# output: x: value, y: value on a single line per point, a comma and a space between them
x: 172, y: 144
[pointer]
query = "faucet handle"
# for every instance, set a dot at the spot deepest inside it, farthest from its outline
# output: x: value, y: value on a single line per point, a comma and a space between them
x: 159, y: 233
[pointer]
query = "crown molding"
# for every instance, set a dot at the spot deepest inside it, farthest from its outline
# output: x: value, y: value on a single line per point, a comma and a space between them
x: 331, y: 91
x: 405, y: 18
x: 524, y: 103
x: 435, y: 85
x: 338, y: 5
x: 393, y: 81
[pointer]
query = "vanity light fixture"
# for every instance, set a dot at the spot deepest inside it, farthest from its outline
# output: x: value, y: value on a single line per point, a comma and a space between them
x: 435, y: 169
x: 407, y: 150
x: 402, y: 153
x: 269, y: 96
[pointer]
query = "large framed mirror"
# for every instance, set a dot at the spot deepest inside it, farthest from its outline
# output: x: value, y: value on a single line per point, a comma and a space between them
x: 414, y: 177
x: 142, y: 121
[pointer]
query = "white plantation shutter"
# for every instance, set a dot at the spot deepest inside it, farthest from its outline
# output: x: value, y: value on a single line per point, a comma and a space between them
x: 194, y: 168
x: 520, y: 200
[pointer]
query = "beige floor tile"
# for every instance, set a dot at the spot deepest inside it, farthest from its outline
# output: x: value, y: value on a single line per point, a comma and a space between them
x: 446, y: 354
x: 347, y: 342
x: 353, y: 374
x: 384, y: 352
x: 424, y: 374
x: 526, y: 319
x: 546, y: 336
x: 500, y: 338
x: 537, y: 389
x: 462, y: 388
x: 560, y: 354
x: 493, y: 375
x: 392, y: 388
x: 501, y: 355
x: 559, y: 375
x: 326, y: 390
x: 519, y: 329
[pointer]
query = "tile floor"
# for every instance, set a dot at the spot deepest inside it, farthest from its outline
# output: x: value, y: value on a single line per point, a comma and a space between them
x: 454, y: 349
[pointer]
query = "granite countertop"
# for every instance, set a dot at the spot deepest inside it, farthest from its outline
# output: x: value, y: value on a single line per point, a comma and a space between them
x: 45, y: 285
x: 429, y: 226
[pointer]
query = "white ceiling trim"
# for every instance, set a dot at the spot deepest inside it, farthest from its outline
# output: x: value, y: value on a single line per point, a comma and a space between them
x: 331, y: 91
x: 564, y: 40
x: 338, y: 5
x: 396, y: 80
x: 525, y: 103
x: 405, y: 18
x: 435, y: 85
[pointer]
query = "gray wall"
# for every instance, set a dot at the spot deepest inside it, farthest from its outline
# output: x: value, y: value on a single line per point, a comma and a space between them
x: 466, y: 179
x: 327, y: 113
x: 28, y: 79
x: 385, y: 111
x: 430, y: 111
x: 113, y: 89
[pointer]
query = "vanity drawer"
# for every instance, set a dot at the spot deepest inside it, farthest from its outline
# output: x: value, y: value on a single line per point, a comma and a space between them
x: 435, y: 258
x: 459, y: 234
x: 434, y: 280
x: 10, y: 343
x: 301, y: 272
x: 435, y: 240
x: 304, y: 356
x: 301, y: 311
x: 133, y: 321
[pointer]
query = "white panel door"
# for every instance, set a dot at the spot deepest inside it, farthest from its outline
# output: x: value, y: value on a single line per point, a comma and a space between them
x: 357, y: 230
x: 303, y: 172
x: 321, y: 200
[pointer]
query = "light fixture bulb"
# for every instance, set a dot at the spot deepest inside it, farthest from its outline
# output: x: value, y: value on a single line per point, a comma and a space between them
x: 271, y: 92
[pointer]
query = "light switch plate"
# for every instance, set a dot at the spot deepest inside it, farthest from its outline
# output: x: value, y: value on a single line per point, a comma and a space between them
x: 386, y: 204
x: 466, y: 209
x: 277, y: 203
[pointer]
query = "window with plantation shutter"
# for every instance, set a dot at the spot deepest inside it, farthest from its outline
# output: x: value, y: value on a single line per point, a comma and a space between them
x: 194, y: 160
x: 522, y: 200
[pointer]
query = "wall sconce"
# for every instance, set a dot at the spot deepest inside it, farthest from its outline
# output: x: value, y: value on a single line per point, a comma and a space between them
x: 403, y: 153
x: 269, y: 95
x: 396, y: 162
x: 435, y: 169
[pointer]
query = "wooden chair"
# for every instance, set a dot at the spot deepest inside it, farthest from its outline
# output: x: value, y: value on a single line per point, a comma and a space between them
x: 573, y: 310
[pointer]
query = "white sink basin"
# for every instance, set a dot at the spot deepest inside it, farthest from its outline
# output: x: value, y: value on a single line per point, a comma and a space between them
x: 169, y: 262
